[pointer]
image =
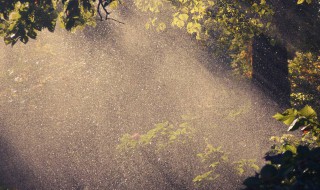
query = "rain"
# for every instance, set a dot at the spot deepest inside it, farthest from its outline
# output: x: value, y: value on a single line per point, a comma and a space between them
x: 66, y: 99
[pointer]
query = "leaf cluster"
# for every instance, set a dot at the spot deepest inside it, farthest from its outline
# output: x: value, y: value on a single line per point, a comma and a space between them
x: 299, y: 169
x: 304, y: 72
x: 23, y: 19
x: 234, y: 25
x: 212, y: 158
x: 294, y: 163
x: 304, y: 1
x: 226, y: 25
x: 163, y: 135
x: 158, y: 146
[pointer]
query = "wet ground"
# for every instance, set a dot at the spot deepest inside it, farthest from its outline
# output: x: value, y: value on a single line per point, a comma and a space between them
x: 66, y: 99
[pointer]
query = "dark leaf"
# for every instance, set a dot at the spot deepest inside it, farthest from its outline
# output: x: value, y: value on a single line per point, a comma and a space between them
x: 268, y: 173
x: 252, y: 182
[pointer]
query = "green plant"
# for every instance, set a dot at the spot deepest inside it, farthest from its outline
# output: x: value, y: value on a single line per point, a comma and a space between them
x: 214, y: 161
x: 294, y: 163
x: 304, y: 72
x: 155, y: 152
x: 161, y: 148
x: 234, y: 25
x: 163, y: 135
x: 302, y: 1
x: 228, y: 26
x: 23, y: 19
x: 212, y: 158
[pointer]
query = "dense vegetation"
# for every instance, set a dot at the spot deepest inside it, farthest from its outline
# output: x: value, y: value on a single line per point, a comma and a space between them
x: 22, y: 19
x: 229, y: 28
x: 294, y: 162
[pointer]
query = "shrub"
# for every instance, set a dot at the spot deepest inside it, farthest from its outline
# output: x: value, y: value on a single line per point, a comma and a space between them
x: 305, y: 79
x: 294, y: 162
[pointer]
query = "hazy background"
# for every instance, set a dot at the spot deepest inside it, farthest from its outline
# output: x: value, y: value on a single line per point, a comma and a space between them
x: 65, y: 99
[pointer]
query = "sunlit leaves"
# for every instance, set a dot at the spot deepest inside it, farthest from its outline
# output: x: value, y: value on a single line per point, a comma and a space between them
x: 180, y: 19
x: 177, y: 21
x: 24, y: 20
x: 167, y: 143
x: 204, y: 176
x: 304, y: 72
x: 114, y: 4
x: 149, y: 5
x: 21, y: 20
x: 213, y: 158
x: 243, y: 164
x: 161, y: 136
x: 161, y: 27
x: 297, y: 118
x: 194, y: 27
x: 287, y: 117
x: 308, y: 112
x: 293, y: 160
x: 302, y: 1
x: 234, y: 24
x: 77, y: 14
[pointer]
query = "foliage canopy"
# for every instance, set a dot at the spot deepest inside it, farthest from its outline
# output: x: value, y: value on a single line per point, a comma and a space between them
x: 22, y: 19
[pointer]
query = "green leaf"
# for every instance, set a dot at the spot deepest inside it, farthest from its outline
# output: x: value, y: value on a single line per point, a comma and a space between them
x: 278, y: 116
x: 15, y: 16
x: 214, y: 164
x: 308, y: 112
x: 180, y: 23
x: 288, y: 120
x: 290, y: 148
x: 202, y: 176
x: 161, y: 27
x: 24, y: 39
x: 183, y: 17
x: 32, y: 34
x: 287, y: 117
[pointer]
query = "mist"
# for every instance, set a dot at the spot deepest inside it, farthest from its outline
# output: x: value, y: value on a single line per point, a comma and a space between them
x: 67, y: 98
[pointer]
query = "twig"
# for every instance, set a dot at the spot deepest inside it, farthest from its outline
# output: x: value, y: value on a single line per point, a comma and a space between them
x: 115, y: 20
